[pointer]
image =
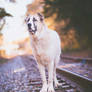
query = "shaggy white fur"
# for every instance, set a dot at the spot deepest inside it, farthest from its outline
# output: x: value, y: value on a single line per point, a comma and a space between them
x: 46, y: 49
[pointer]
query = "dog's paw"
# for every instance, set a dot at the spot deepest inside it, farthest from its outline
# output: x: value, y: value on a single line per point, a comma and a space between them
x: 44, y: 88
x: 51, y: 89
x: 56, y: 83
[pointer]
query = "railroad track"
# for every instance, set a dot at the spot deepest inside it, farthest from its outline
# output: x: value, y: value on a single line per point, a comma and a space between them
x: 81, y: 83
x: 70, y: 82
x: 76, y: 58
x: 26, y: 78
x: 64, y: 87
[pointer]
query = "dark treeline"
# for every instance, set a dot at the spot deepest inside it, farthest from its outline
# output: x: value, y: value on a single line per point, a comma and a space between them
x: 78, y: 11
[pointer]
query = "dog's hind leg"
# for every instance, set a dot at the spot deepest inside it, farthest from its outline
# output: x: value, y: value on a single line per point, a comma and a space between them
x: 50, y: 77
x: 43, y: 76
x: 54, y: 74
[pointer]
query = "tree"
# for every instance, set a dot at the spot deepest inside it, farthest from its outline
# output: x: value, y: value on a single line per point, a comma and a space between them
x: 78, y: 11
x: 3, y: 13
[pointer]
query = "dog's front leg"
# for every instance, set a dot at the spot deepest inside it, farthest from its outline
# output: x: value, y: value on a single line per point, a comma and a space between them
x: 50, y: 77
x: 43, y: 76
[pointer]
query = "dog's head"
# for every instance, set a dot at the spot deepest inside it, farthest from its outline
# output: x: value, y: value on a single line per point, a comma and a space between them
x: 34, y: 22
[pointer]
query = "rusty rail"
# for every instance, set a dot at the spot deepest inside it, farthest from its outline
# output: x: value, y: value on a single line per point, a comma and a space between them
x: 76, y: 58
x: 84, y: 82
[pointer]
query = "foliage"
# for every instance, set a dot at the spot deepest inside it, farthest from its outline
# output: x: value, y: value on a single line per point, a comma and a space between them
x: 3, y: 13
x: 79, y: 12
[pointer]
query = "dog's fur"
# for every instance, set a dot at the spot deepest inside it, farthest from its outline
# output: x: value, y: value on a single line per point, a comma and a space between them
x: 46, y: 49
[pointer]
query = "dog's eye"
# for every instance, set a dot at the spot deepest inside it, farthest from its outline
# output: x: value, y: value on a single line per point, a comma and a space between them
x: 34, y: 19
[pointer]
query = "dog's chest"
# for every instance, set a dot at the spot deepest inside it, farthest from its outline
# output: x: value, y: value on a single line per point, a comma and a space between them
x: 40, y: 47
x: 40, y: 51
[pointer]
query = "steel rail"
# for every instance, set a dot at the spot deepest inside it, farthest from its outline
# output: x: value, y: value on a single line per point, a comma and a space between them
x: 84, y: 82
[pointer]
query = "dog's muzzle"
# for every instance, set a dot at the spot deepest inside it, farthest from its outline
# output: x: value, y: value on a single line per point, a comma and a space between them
x: 31, y: 30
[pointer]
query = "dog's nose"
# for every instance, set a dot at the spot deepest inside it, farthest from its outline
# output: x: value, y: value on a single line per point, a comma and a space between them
x: 29, y: 26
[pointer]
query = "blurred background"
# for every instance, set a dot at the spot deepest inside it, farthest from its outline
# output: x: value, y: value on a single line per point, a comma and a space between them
x: 72, y: 19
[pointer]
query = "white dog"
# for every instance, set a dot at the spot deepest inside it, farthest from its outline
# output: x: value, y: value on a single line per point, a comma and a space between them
x: 46, y: 49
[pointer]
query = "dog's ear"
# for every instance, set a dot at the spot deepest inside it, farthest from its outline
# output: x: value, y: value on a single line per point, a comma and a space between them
x: 40, y: 16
